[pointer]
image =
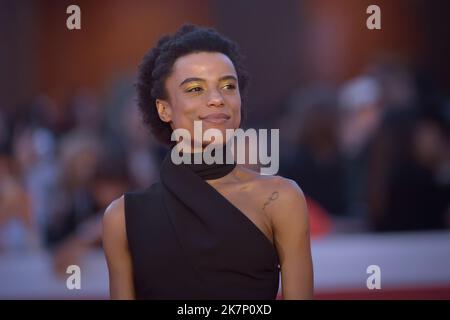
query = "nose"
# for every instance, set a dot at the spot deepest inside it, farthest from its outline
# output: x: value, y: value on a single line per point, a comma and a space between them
x: 215, y: 99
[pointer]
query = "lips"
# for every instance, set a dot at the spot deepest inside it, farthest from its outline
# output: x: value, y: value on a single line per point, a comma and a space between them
x: 215, y: 117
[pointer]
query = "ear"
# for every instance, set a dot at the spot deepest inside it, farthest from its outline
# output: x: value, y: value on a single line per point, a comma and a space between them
x: 164, y: 110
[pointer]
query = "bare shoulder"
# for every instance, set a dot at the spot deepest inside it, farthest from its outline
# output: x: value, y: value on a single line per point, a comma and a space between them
x: 116, y: 250
x: 288, y: 187
x: 116, y: 209
x: 276, y: 187
x: 281, y: 198
x: 276, y: 194
x: 290, y: 191
x: 114, y: 216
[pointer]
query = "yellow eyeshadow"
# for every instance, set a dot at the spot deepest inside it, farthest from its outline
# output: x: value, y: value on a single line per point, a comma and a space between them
x: 192, y: 86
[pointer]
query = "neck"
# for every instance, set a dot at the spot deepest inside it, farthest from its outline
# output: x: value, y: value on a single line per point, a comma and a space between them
x: 209, y: 165
x: 207, y: 154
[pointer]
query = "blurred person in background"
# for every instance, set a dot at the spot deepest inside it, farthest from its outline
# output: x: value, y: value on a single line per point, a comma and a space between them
x: 109, y: 181
x: 35, y: 155
x: 359, y: 121
x: 31, y: 151
x: 141, y: 150
x: 418, y: 190
x: 410, y: 148
x: 126, y: 135
x: 79, y: 157
x: 315, y: 161
x: 18, y: 230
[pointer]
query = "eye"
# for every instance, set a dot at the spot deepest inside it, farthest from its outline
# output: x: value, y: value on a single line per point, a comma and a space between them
x: 194, y: 89
x: 229, y: 86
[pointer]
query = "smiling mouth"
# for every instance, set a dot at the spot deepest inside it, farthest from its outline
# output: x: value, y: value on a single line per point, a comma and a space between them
x: 216, y: 118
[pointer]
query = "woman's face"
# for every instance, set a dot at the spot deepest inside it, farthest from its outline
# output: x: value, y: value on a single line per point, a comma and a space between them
x: 202, y: 87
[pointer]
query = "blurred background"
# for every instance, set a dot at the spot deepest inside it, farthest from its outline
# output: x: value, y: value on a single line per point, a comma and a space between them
x: 364, y: 119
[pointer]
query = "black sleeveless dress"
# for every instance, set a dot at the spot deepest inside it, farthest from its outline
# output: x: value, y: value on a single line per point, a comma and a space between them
x: 187, y: 241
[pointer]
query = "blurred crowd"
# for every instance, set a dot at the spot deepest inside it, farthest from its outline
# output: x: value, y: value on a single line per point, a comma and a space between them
x: 373, y: 152
x: 60, y: 167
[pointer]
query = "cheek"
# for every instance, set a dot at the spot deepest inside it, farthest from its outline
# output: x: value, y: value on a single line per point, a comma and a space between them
x: 235, y: 107
x: 184, y: 112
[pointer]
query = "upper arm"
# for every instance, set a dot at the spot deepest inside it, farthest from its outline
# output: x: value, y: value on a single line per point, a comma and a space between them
x: 292, y: 239
x: 115, y: 245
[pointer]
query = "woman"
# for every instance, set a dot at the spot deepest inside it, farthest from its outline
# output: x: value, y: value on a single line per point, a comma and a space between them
x: 204, y: 231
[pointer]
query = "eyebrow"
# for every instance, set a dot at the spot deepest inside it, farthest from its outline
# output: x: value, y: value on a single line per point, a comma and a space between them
x: 228, y: 77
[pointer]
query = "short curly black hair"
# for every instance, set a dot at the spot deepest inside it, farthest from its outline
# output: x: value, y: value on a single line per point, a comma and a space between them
x: 157, y: 65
